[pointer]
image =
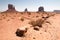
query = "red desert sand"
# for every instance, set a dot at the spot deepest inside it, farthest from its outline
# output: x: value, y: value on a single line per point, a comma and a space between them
x: 29, y: 26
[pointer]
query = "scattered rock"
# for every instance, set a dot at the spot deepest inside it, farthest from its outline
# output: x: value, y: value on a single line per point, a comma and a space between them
x: 36, y: 28
x: 33, y: 37
x: 37, y: 16
x: 44, y: 17
x: 21, y: 32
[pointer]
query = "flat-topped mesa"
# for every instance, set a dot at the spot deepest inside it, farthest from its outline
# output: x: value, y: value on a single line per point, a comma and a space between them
x: 41, y: 9
x: 11, y: 7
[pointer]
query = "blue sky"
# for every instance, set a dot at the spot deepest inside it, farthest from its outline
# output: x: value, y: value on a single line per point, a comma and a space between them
x: 31, y: 5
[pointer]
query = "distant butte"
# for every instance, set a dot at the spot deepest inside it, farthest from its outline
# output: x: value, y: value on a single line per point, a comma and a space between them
x: 11, y: 8
x: 41, y: 9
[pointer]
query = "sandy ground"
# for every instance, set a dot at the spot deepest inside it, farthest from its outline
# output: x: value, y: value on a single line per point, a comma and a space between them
x: 10, y: 22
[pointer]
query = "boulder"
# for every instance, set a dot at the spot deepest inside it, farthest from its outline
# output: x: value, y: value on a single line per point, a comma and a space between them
x: 21, y: 32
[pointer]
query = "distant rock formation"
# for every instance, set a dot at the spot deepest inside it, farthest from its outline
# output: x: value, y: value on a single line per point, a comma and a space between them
x: 11, y: 7
x: 56, y: 10
x: 41, y: 9
x: 25, y: 10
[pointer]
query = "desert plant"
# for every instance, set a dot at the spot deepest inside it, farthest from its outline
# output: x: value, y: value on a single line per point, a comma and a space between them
x: 38, y: 22
x: 22, y: 19
x: 37, y: 16
x: 8, y: 19
x: 21, y: 12
x: 29, y: 13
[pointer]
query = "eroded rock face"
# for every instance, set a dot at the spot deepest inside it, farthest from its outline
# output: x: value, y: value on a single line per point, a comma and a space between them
x: 11, y: 7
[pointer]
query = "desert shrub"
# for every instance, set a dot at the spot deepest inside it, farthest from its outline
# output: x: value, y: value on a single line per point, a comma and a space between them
x: 3, y: 17
x: 21, y: 12
x: 21, y: 32
x: 12, y: 17
x: 0, y: 18
x: 2, y: 14
x: 36, y: 28
x: 38, y: 22
x: 29, y: 13
x: 37, y: 16
x: 22, y: 19
x: 8, y: 19
x: 33, y: 23
x: 16, y: 13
